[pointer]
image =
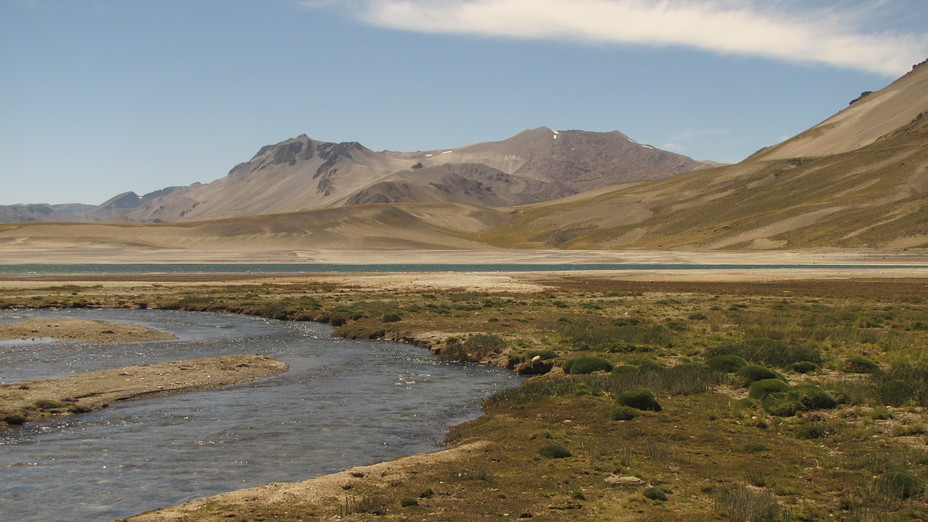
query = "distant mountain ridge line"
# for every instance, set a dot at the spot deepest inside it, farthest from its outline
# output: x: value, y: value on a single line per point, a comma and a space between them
x: 304, y: 174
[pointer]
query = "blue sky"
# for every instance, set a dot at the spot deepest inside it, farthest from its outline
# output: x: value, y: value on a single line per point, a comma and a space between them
x: 100, y: 97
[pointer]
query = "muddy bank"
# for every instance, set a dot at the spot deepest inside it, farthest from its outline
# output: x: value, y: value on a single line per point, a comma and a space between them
x: 80, y: 330
x: 30, y: 400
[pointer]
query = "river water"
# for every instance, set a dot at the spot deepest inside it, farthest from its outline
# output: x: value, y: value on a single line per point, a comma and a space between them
x: 342, y: 404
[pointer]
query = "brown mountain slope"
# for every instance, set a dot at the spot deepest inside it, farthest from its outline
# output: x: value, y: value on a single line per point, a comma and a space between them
x: 303, y: 174
x: 368, y: 227
x: 866, y: 120
x: 874, y: 196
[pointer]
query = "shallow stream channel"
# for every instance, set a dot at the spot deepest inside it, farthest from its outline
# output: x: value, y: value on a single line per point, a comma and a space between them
x: 342, y: 404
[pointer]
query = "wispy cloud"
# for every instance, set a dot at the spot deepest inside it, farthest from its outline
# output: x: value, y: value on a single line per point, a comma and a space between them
x: 782, y: 30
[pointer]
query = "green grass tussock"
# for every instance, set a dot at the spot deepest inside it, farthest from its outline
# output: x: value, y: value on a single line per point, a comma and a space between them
x: 641, y: 399
x: 585, y: 365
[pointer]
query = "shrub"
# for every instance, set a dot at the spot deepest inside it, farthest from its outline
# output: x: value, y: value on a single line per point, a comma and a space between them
x: 641, y: 399
x: 771, y: 352
x: 567, y: 364
x: 812, y: 430
x: 624, y: 368
x: 803, y: 367
x: 46, y: 404
x: 895, y: 392
x: 408, y: 502
x: 555, y: 451
x: 760, y: 389
x: 583, y: 365
x: 751, y: 373
x: 655, y: 494
x: 812, y: 397
x: 860, y: 365
x: 900, y: 484
x: 544, y: 354
x: 645, y: 363
x: 622, y: 335
x: 390, y: 318
x: 624, y: 413
x: 727, y: 363
x: 796, y: 399
x: 371, y: 504
x: 743, y: 503
x: 881, y: 413
x: 541, y: 389
x: 481, y: 345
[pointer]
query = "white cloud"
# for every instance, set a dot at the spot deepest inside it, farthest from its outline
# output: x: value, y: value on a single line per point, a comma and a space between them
x: 780, y: 30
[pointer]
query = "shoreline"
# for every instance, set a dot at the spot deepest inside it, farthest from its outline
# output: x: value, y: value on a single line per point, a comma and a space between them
x: 36, y: 399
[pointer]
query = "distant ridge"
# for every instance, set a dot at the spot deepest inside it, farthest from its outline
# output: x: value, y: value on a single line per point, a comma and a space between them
x: 304, y: 174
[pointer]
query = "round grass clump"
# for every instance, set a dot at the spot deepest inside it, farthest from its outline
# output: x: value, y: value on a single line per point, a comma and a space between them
x: 798, y: 398
x: 726, y: 363
x: 812, y: 397
x: 623, y: 369
x: 752, y: 373
x: 640, y: 399
x: 803, y: 367
x: 390, y: 318
x: 624, y: 413
x: 584, y: 365
x: 555, y: 451
x: 900, y: 484
x: 655, y: 494
x: 860, y: 365
x: 408, y: 502
x: 645, y: 363
x: 762, y: 388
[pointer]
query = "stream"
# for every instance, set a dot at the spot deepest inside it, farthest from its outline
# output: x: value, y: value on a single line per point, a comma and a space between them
x: 342, y: 404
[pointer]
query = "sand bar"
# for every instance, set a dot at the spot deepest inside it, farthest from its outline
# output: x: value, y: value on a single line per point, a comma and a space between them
x: 80, y: 330
x: 42, y: 398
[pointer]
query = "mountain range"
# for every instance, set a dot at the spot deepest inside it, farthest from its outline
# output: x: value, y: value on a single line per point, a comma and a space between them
x: 304, y: 174
x: 858, y: 180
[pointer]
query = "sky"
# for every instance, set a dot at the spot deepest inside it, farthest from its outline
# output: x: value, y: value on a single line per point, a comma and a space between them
x: 101, y: 97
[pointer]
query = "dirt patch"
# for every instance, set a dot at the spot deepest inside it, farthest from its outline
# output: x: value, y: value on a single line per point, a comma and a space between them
x: 36, y: 399
x: 80, y: 330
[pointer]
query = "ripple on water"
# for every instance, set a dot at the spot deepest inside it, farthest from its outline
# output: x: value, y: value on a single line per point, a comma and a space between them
x: 342, y: 404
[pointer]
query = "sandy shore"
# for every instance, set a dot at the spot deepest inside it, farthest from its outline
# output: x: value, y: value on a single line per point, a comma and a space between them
x: 329, y: 488
x: 35, y: 399
x: 80, y: 330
